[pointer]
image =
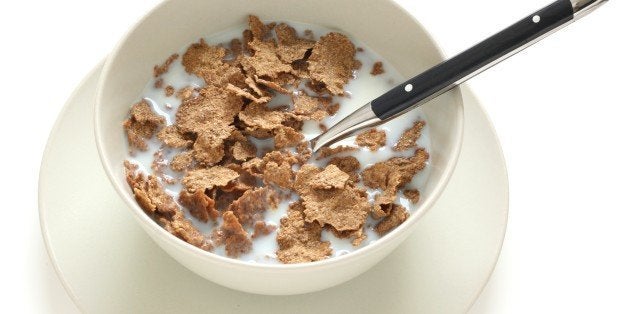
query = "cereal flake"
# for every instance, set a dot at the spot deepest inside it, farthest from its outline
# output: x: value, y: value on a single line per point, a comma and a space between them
x: 398, y: 215
x: 349, y: 165
x: 171, y: 137
x: 413, y: 195
x: 344, y: 209
x: 200, y: 205
x: 182, y: 161
x: 373, y: 139
x: 291, y: 46
x: 250, y: 207
x: 233, y: 236
x: 409, y: 137
x: 207, y: 179
x: 300, y: 241
x: 378, y: 68
x: 142, y: 125
x: 332, y: 62
x: 158, y: 70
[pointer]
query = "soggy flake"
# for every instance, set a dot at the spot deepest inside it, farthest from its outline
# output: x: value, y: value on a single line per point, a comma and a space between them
x: 242, y: 93
x: 235, y: 46
x: 212, y: 108
x: 280, y: 157
x: 243, y: 151
x: 344, y: 209
x: 199, y: 204
x: 225, y: 199
x: 390, y: 176
x: 149, y: 192
x: 263, y: 122
x: 300, y: 241
x: 247, y: 36
x: 182, y: 161
x: 356, y: 236
x: 206, y: 61
x: 185, y: 93
x: 287, y: 137
x: 233, y: 236
x: 399, y: 169
x: 279, y: 174
x: 310, y: 108
x: 300, y: 71
x: 159, y: 83
x: 159, y: 164
x: 349, y: 165
x: 276, y: 168
x: 409, y: 137
x: 252, y: 84
x: 357, y: 65
x: 272, y: 85
x: 259, y: 116
x: 284, y: 79
x: 333, y: 109
x: 142, y: 125
x: 413, y: 195
x: 398, y: 215
x: 151, y: 196
x: 293, y: 121
x: 169, y: 90
x: 384, y: 202
x: 317, y: 87
x: 378, y: 68
x: 244, y: 182
x: 332, y: 62
x: 261, y: 228
x: 330, y: 178
x: 373, y: 139
x: 183, y: 229
x: 209, y: 147
x: 264, y: 61
x: 207, y: 179
x: 171, y: 137
x: 291, y: 47
x: 258, y: 29
x: 253, y: 166
x: 304, y: 152
x: 250, y: 207
x: 308, y: 34
x: 158, y: 70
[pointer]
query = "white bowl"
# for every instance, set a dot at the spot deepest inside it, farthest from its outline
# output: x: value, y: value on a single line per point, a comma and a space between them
x: 382, y: 25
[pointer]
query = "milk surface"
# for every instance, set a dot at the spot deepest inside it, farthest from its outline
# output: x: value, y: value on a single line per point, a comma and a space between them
x: 360, y: 90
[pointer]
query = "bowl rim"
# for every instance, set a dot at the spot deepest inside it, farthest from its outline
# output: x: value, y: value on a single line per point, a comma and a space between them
x: 181, y: 245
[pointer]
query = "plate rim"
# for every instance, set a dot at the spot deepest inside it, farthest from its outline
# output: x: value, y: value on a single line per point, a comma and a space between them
x: 466, y: 93
x: 41, y: 178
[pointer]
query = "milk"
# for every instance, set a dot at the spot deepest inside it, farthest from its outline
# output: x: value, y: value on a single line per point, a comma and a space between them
x: 362, y: 89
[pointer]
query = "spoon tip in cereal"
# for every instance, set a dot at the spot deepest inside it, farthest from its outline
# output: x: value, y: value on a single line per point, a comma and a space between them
x: 360, y: 119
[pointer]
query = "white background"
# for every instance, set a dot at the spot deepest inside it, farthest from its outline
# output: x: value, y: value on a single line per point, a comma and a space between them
x: 559, y: 108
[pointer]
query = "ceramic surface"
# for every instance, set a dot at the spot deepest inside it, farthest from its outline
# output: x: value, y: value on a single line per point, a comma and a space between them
x: 176, y: 23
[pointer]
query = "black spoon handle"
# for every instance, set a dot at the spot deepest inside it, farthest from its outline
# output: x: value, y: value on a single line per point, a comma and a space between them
x: 482, y: 56
x: 443, y: 77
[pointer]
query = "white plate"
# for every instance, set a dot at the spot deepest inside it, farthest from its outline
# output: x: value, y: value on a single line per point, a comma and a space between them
x: 109, y: 265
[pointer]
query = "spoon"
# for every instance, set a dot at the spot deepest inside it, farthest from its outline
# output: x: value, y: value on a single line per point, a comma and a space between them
x: 453, y: 72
